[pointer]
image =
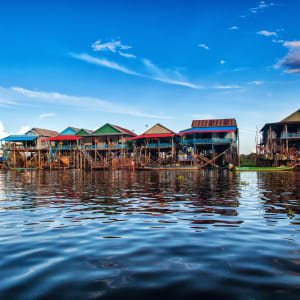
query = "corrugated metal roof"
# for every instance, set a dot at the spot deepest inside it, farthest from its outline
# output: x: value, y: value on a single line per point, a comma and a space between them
x: 19, y: 138
x: 214, y: 123
x: 124, y: 130
x: 44, y: 132
x: 209, y: 129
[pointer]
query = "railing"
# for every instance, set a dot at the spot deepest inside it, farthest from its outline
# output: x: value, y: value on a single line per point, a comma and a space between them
x: 159, y: 145
x: 207, y: 141
x: 85, y: 147
x: 116, y: 146
x: 290, y: 135
x: 20, y: 147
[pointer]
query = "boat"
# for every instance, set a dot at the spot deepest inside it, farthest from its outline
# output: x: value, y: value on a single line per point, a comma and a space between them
x: 186, y: 168
x: 264, y: 169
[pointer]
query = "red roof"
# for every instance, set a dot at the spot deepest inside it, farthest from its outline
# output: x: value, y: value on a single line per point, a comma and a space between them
x: 63, y: 138
x: 214, y: 123
x: 125, y: 130
x: 151, y: 136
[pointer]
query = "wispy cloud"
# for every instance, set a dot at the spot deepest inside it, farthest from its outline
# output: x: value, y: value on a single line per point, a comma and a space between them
x: 233, y: 28
x: 142, y: 67
x: 47, y: 115
x: 291, y: 62
x: 260, y: 7
x: 278, y: 41
x: 203, y: 46
x: 159, y: 74
x: 113, y: 46
x: 103, y: 62
x: 127, y: 55
x: 95, y: 104
x: 222, y: 62
x: 267, y: 33
x: 256, y: 82
x: 154, y: 72
x: 7, y: 103
x: 226, y: 87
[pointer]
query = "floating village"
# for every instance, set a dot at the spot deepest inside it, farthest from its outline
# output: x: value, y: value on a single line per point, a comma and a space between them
x: 206, y: 144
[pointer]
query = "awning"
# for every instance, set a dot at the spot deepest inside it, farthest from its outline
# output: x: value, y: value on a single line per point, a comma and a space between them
x: 208, y: 129
x: 63, y: 138
x: 151, y: 136
x: 19, y: 138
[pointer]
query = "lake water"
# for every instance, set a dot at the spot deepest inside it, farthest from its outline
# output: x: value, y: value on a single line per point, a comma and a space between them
x: 149, y: 235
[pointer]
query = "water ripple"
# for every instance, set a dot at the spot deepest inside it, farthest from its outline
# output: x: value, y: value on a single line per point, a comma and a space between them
x: 180, y: 234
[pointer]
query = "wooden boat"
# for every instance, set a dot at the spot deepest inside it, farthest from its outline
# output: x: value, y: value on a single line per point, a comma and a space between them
x: 264, y: 169
x: 186, y: 168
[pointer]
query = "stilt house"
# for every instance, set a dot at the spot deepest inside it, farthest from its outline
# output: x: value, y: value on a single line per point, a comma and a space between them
x: 210, y: 143
x: 280, y: 141
x: 155, y: 146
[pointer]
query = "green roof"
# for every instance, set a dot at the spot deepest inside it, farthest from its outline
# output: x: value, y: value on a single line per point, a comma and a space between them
x: 83, y: 132
x: 106, y: 129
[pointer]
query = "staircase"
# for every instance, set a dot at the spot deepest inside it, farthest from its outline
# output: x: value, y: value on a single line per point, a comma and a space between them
x: 87, y: 156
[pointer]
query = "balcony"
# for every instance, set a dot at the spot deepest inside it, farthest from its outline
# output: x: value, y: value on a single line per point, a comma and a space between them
x: 159, y: 145
x: 290, y: 135
x: 207, y: 141
x: 104, y: 147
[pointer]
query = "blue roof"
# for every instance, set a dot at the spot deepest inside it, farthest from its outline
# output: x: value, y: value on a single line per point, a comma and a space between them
x: 19, y: 138
x: 210, y: 129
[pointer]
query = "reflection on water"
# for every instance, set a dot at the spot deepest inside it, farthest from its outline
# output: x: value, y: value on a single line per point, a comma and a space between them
x: 181, y: 234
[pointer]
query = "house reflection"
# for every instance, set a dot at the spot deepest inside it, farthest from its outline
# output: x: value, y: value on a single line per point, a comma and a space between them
x: 195, y: 197
x: 281, y: 194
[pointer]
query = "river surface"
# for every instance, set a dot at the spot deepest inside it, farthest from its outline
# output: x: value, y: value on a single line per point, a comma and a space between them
x: 149, y: 235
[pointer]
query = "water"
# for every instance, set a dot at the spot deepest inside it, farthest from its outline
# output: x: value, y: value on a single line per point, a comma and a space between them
x: 124, y: 235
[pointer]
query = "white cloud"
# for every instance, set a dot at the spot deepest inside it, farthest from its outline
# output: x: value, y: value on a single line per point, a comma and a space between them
x: 256, y: 82
x: 7, y: 103
x: 267, y: 33
x: 170, y: 77
x: 291, y: 62
x: 203, y: 46
x: 293, y: 44
x: 3, y: 133
x: 127, y: 55
x: 112, y: 46
x: 278, y: 41
x: 46, y: 115
x: 232, y: 86
x: 23, y: 129
x: 233, y: 28
x: 261, y: 5
x: 222, y: 62
x: 85, y: 102
x: 155, y: 72
x: 103, y: 62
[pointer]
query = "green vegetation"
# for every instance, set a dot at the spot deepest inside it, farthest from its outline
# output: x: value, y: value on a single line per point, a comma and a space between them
x: 248, y: 160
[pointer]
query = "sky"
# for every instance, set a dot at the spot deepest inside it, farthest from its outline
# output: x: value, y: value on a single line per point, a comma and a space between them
x: 138, y: 63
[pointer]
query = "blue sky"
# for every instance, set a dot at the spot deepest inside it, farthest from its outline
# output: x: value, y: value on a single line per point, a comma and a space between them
x: 136, y: 63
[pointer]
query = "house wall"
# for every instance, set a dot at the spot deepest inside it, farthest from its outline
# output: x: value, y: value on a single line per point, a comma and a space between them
x: 68, y: 131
